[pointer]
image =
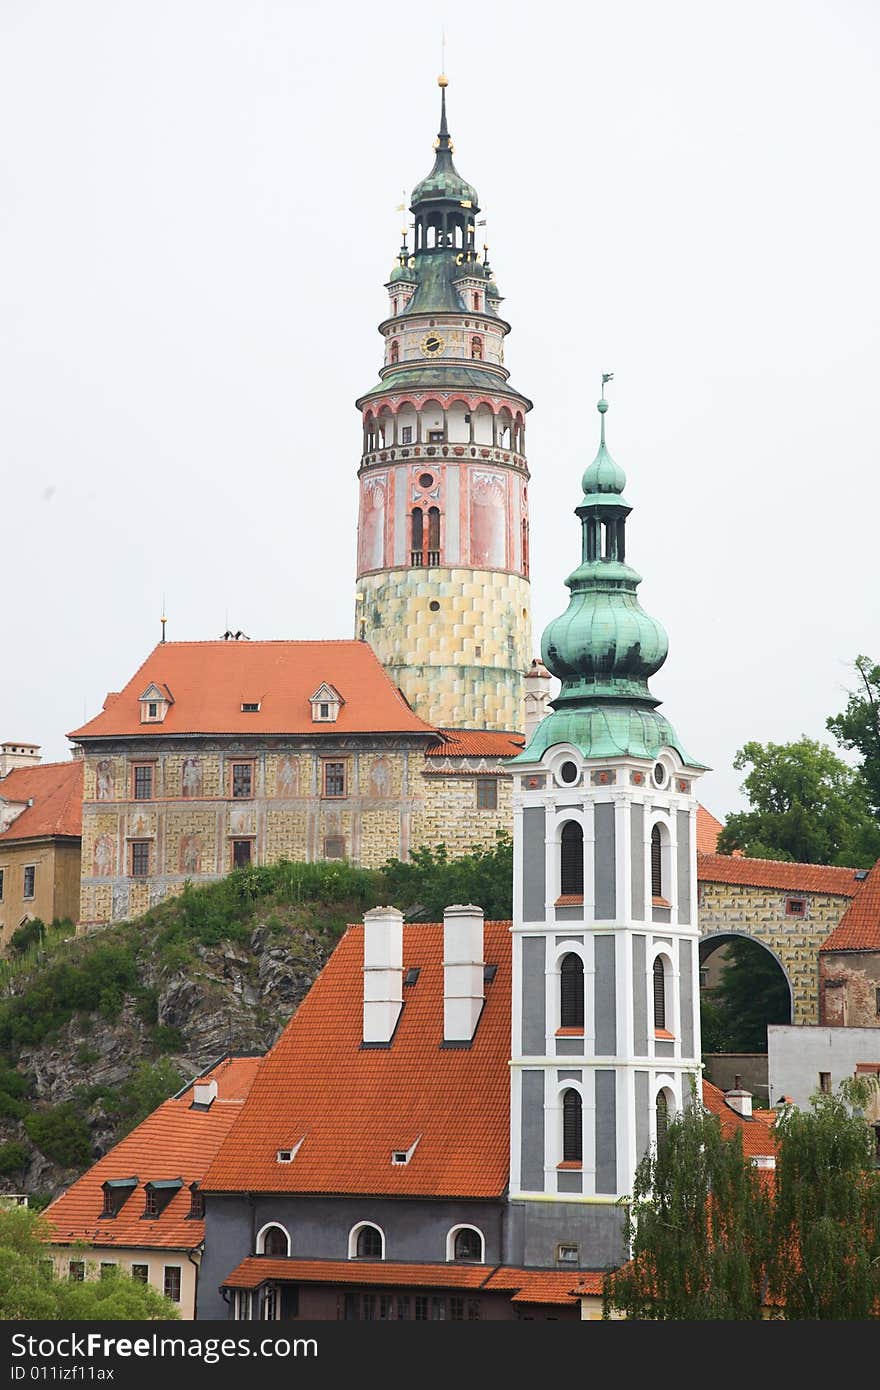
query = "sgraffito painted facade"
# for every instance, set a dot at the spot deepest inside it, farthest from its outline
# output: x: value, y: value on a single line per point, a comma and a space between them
x: 443, y: 590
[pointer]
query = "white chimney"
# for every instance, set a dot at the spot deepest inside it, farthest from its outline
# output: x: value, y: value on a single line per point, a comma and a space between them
x: 739, y: 1100
x: 537, y: 697
x: 462, y: 971
x: 383, y: 973
x: 204, y: 1092
x: 13, y: 755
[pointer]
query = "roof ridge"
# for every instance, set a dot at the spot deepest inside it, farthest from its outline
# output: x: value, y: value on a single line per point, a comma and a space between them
x: 785, y: 863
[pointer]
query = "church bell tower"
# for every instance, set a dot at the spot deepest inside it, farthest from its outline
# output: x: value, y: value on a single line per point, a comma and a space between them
x: 606, y: 1027
x: 443, y: 531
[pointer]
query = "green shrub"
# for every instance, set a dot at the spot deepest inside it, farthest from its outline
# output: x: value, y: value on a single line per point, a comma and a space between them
x: 28, y: 934
x: 13, y: 1157
x: 61, y: 1134
x: 168, y: 1039
x: 93, y: 980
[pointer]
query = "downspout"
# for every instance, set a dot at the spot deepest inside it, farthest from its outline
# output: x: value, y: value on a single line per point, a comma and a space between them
x: 196, y: 1266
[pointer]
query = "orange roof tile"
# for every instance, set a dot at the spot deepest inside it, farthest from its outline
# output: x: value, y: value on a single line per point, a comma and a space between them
x: 758, y: 1138
x: 552, y: 1286
x: 174, y: 1142
x: 56, y: 791
x: 458, y: 1110
x: 859, y: 927
x: 774, y: 873
x: 256, y: 1269
x: 209, y: 681
x: 476, y: 743
x: 708, y: 830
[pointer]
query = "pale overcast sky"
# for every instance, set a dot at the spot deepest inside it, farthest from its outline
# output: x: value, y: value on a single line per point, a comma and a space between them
x: 197, y: 216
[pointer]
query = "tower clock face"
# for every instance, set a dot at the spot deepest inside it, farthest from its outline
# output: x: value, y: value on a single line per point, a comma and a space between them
x: 432, y: 344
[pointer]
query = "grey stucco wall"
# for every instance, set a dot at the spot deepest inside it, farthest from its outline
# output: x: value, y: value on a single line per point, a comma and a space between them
x: 640, y: 998
x: 534, y: 1230
x: 643, y: 1130
x: 532, y: 1132
x: 637, y: 841
x: 683, y: 853
x: 605, y: 862
x: 415, y: 1230
x: 605, y: 996
x: 686, y: 995
x: 534, y: 1028
x: 606, y: 1131
x: 534, y: 889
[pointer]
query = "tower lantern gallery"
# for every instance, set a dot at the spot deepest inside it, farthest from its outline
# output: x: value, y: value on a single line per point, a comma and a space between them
x: 443, y: 530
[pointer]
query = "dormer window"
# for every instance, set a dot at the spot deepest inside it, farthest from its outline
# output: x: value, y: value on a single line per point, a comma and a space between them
x: 155, y: 703
x: 116, y: 1193
x: 250, y: 706
x: 400, y: 1157
x: 158, y: 1194
x: 326, y: 704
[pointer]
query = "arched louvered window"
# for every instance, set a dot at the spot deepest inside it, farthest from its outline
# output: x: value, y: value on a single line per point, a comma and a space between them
x: 571, y: 987
x: 468, y: 1244
x: 662, y: 1119
x: 433, y: 535
x: 275, y: 1241
x: 572, y: 1128
x: 656, y: 863
x: 659, y: 994
x: 369, y: 1243
x: 418, y: 537
x: 572, y: 876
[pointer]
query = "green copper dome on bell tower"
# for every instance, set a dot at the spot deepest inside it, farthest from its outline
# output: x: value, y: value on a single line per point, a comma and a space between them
x: 604, y: 647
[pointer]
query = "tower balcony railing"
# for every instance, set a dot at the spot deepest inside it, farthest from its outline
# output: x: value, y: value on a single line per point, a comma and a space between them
x: 417, y: 558
x: 485, y: 453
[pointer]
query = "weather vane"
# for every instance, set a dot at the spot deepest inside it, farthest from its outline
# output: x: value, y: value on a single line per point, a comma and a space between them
x: 606, y: 377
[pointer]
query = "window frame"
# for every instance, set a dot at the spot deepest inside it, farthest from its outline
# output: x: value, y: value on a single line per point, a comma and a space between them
x: 326, y: 764
x: 572, y: 1145
x: 248, y: 840
x: 32, y: 870
x: 571, y: 870
x: 140, y: 1278
x: 355, y: 1236
x: 482, y: 785
x: 452, y: 1239
x: 172, y: 1270
x: 250, y: 764
x: 133, y: 847
x: 139, y: 768
x: 2, y: 881
x: 571, y: 1017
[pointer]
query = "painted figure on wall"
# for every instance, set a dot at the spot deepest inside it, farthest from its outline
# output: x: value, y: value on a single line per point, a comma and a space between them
x: 102, y: 858
x: 191, y: 854
x: 191, y: 780
x: 488, y: 521
x: 288, y: 778
x: 140, y: 826
x: 104, y: 780
x: 372, y: 537
x: 380, y: 777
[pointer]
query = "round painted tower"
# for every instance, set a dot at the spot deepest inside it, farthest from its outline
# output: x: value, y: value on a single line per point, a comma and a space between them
x: 443, y: 528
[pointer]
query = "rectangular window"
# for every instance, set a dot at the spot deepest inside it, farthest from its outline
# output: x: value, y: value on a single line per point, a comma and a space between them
x: 352, y: 1306
x: 76, y: 1270
x: 438, y: 1309
x: 403, y: 1309
x: 567, y: 1254
x: 141, y: 1273
x: 153, y: 711
x: 487, y: 794
x: 241, y: 853
x: 171, y: 1286
x: 334, y: 847
x: 825, y: 1082
x: 30, y: 881
x: 140, y: 858
x: 325, y: 711
x: 196, y: 1204
x: 242, y: 780
x: 369, y: 1307
x: 878, y: 1001
x: 435, y: 436
x: 143, y: 782
x: 107, y: 1268
x: 406, y: 434
x: 2, y: 872
x: 456, y: 1309
x: 796, y: 907
x: 386, y: 1306
x: 421, y: 1308
x: 334, y: 779
x: 151, y: 1202
x: 473, y: 1310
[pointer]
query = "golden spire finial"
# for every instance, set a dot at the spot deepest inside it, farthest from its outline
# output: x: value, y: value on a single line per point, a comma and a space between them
x: 442, y: 80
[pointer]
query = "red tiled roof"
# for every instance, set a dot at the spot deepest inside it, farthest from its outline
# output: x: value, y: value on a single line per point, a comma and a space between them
x: 174, y: 1142
x: 758, y: 1138
x: 859, y: 927
x: 476, y: 743
x: 774, y: 873
x: 453, y: 1100
x: 593, y: 1282
x: 256, y: 1269
x: 56, y: 791
x: 209, y: 681
x: 548, y: 1286
x: 708, y: 830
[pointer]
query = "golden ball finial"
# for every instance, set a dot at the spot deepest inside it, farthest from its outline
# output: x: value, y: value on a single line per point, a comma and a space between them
x: 442, y: 80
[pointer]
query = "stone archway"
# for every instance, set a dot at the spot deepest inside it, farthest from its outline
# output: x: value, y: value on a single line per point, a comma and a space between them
x: 710, y: 941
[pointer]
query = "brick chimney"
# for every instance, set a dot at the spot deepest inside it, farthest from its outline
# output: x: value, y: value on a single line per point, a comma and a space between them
x: 739, y: 1100
x: 383, y: 973
x: 462, y: 971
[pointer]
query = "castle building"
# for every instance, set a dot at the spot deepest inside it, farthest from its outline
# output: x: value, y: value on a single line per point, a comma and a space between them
x: 605, y: 1002
x: 40, y: 833
x: 443, y: 532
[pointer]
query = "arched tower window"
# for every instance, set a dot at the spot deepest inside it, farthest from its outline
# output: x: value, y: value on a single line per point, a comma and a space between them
x: 478, y: 303
x: 369, y: 1243
x: 662, y: 1112
x: 468, y: 1244
x: 433, y: 535
x: 572, y: 1128
x: 659, y: 993
x: 477, y: 348
x: 273, y: 1241
x: 656, y: 863
x: 418, y: 537
x: 572, y: 859
x: 571, y: 992
x: 394, y: 306
x: 395, y: 349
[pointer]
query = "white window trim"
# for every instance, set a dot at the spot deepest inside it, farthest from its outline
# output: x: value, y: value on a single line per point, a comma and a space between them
x: 355, y: 1232
x: 260, y: 1241
x: 450, y: 1243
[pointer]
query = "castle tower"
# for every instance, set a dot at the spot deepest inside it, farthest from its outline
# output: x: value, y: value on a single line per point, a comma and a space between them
x: 443, y: 550
x: 606, y: 1031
